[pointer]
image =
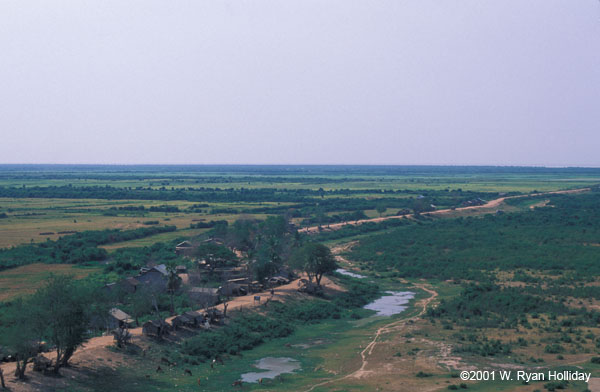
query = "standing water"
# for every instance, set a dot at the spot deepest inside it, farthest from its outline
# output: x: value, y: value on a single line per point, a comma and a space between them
x: 391, y: 304
x: 348, y: 273
x: 274, y: 367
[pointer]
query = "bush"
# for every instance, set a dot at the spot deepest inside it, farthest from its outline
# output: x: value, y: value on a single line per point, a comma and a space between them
x: 554, y: 348
x: 244, y: 333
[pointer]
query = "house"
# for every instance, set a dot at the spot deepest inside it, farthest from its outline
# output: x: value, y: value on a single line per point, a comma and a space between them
x: 120, y: 319
x: 182, y: 321
x: 197, y: 319
x: 230, y: 272
x: 183, y: 248
x: 238, y: 286
x: 286, y: 273
x: 278, y: 280
x: 115, y: 318
x: 204, y: 295
x: 215, y: 316
x: 129, y: 285
x: 156, y: 276
x: 214, y: 240
x: 256, y: 286
x: 109, y: 287
x: 181, y: 269
x: 155, y: 328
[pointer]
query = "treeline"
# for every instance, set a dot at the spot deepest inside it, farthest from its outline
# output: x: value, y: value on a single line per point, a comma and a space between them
x: 347, y: 171
x: 74, y: 249
x: 163, y: 208
x: 208, y: 225
x: 203, y: 194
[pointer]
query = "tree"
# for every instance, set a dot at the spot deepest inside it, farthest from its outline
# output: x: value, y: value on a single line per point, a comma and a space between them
x: 381, y: 209
x: 215, y: 255
x: 122, y: 336
x: 22, y: 336
x: 315, y: 259
x: 61, y: 312
x: 2, y: 383
x: 141, y: 302
x: 173, y: 283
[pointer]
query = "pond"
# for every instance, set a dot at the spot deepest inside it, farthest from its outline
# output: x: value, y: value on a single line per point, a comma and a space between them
x: 391, y: 304
x: 273, y: 366
x: 348, y: 273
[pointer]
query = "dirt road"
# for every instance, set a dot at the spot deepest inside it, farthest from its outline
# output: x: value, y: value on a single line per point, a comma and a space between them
x: 489, y: 205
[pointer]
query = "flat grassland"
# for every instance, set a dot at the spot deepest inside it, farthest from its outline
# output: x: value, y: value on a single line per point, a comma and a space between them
x: 35, y: 220
x: 16, y: 282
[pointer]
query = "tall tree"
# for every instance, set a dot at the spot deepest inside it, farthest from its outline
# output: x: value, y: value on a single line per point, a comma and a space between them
x: 141, y: 301
x: 315, y: 259
x: 62, y: 313
x: 22, y: 335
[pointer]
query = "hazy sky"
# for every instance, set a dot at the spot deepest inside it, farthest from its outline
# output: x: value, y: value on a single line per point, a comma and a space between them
x: 510, y: 82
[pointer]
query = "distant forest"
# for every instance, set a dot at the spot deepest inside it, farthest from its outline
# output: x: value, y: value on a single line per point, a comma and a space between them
x: 312, y: 170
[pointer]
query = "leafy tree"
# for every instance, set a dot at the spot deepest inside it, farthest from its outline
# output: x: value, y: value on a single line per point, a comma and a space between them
x: 2, y: 383
x: 141, y: 302
x: 215, y: 255
x: 61, y: 312
x: 240, y: 234
x: 381, y: 209
x: 315, y: 259
x: 22, y: 336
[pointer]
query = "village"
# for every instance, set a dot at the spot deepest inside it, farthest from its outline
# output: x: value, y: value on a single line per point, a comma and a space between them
x: 212, y: 302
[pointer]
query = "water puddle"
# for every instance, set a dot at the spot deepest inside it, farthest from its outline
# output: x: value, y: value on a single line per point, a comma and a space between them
x: 348, y: 273
x: 389, y: 305
x: 273, y: 366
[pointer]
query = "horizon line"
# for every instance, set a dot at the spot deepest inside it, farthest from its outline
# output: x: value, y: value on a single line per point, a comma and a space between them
x: 540, y: 166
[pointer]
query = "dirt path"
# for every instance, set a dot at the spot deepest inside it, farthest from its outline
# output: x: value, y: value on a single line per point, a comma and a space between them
x: 388, y: 328
x: 244, y: 302
x: 489, y: 205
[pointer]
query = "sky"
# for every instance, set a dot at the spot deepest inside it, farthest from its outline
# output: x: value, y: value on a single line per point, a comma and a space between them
x: 462, y: 82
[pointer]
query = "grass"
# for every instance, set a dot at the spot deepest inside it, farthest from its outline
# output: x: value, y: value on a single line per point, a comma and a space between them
x: 25, y: 280
x: 29, y: 219
x: 148, y: 241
